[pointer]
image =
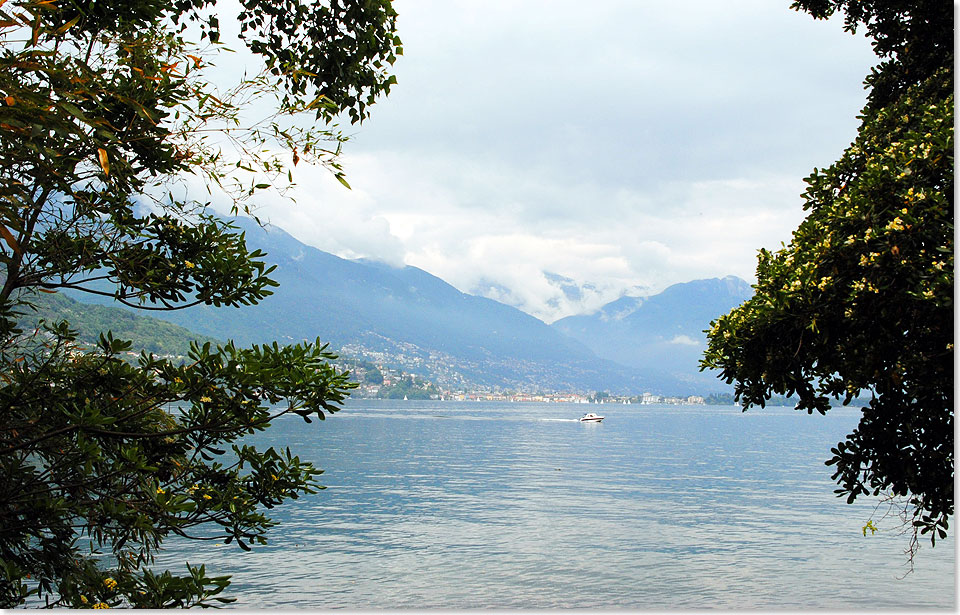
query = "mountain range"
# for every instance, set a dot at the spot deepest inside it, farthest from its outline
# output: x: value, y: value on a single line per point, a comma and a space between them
x: 661, y: 335
x: 416, y: 321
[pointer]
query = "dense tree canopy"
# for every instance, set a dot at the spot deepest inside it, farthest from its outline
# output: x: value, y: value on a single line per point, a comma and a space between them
x: 104, y: 106
x: 861, y: 300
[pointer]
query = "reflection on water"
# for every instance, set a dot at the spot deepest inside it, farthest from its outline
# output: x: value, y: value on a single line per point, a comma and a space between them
x: 463, y: 505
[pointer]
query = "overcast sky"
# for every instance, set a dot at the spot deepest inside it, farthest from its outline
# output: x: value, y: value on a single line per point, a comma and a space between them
x: 625, y: 145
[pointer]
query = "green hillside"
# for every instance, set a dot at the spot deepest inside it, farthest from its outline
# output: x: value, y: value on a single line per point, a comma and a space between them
x: 150, y: 334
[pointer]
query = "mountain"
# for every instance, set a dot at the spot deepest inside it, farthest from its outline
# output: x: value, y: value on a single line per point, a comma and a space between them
x: 372, y: 310
x: 146, y: 333
x: 662, y: 335
x: 407, y: 318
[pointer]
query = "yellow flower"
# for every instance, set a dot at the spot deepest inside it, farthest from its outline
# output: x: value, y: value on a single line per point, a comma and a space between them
x: 101, y: 605
x: 110, y: 583
x: 188, y: 264
x: 207, y: 497
x: 205, y: 399
x: 159, y: 490
x: 83, y: 599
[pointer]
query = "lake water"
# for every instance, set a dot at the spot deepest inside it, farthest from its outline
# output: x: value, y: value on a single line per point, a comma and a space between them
x: 483, y: 504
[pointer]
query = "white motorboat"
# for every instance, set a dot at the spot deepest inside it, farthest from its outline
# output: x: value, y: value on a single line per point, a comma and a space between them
x: 591, y: 417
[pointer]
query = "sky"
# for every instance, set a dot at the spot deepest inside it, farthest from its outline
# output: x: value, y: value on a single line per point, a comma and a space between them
x: 556, y: 155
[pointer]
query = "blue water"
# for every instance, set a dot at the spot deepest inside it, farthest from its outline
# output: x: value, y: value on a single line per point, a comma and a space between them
x: 482, y: 504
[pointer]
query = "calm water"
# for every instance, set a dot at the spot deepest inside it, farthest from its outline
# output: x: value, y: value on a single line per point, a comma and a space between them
x: 481, y: 504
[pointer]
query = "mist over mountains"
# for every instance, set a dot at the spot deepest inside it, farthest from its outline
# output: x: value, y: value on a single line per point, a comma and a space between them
x: 414, y: 320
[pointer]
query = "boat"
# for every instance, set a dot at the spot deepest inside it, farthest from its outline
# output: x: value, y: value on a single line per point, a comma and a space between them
x: 591, y: 417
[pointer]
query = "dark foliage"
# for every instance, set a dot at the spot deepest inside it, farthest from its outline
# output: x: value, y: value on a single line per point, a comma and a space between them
x: 861, y: 300
x: 103, y: 105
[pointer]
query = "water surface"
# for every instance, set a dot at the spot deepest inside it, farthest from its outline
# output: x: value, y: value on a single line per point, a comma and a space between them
x: 483, y: 504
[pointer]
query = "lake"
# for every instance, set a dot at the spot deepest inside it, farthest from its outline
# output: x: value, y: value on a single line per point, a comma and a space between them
x: 497, y: 505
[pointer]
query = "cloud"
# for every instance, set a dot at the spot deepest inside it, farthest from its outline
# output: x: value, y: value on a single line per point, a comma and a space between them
x: 328, y: 216
x: 622, y: 146
x: 508, y: 239
x: 608, y: 241
x: 318, y: 211
x: 685, y: 340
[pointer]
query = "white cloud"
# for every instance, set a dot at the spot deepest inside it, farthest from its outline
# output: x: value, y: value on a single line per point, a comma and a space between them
x: 423, y: 212
x: 684, y: 340
x: 623, y: 145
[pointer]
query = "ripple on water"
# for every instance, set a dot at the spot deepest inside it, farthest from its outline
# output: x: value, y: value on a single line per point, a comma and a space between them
x: 519, y: 506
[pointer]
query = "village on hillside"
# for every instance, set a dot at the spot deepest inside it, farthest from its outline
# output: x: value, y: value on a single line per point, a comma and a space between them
x: 380, y: 381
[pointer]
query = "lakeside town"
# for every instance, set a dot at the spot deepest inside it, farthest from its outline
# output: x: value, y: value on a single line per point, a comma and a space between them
x: 428, y: 375
x: 380, y: 381
x: 575, y: 398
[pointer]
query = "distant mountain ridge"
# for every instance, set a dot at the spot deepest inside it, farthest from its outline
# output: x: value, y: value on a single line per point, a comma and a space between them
x: 404, y: 312
x: 662, y: 335
x: 424, y: 325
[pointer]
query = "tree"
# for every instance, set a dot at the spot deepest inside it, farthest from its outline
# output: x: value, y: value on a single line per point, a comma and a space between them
x: 408, y: 387
x: 373, y: 375
x: 104, y: 107
x: 861, y: 300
